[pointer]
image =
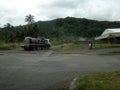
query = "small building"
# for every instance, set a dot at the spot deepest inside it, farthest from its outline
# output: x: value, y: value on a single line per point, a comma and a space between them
x: 113, y: 32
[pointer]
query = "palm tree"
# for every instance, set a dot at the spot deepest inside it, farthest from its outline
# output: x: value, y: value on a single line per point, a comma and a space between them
x: 30, y: 19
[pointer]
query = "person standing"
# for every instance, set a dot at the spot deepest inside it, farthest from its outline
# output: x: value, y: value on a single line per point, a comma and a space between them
x: 90, y: 44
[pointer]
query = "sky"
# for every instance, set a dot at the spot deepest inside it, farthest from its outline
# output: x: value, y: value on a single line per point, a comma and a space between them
x: 14, y: 11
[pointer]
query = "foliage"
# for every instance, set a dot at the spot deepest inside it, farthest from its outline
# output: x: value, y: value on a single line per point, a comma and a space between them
x: 8, y: 33
x: 111, y: 38
x: 30, y: 19
x: 99, y: 81
x: 58, y: 28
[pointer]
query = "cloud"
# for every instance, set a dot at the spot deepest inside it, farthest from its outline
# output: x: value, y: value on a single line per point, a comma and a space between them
x: 93, y: 9
x: 100, y: 10
x: 14, y: 11
x: 59, y: 8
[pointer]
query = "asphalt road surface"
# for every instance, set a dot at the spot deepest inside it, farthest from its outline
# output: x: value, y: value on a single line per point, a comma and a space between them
x: 49, y: 71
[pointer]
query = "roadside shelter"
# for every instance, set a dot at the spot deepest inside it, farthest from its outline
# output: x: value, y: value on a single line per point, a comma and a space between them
x: 115, y: 32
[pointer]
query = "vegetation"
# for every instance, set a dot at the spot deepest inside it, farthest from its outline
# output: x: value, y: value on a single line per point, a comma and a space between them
x: 99, y: 81
x: 8, y: 46
x: 29, y: 19
x: 59, y: 28
x: 55, y: 42
x: 116, y: 51
x: 74, y: 46
x: 102, y: 46
x: 111, y: 38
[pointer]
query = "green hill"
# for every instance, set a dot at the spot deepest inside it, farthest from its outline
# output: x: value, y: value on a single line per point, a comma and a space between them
x: 76, y: 26
x: 69, y: 26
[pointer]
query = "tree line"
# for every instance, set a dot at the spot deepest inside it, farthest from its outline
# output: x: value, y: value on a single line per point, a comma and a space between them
x: 57, y: 28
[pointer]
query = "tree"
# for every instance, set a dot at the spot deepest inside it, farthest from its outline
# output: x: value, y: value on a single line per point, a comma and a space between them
x: 8, y: 25
x: 35, y: 31
x: 30, y: 19
x: 0, y: 26
x: 9, y: 33
x: 111, y: 39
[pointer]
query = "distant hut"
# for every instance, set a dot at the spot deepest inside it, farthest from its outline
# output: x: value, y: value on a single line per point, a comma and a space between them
x: 110, y: 33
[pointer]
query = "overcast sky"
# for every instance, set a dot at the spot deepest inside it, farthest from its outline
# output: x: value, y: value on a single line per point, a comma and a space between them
x: 14, y: 11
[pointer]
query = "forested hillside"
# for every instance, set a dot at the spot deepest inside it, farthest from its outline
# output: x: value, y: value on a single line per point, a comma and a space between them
x: 57, y: 28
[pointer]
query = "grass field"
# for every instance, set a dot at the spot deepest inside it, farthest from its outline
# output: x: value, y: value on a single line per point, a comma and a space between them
x: 116, y: 51
x: 99, y: 81
x: 101, y: 46
x: 55, y: 42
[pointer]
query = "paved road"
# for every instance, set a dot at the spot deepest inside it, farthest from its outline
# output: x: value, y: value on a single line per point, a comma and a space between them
x: 47, y: 71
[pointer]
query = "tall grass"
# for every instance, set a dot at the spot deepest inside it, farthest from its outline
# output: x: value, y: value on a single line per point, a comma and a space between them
x: 8, y: 46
